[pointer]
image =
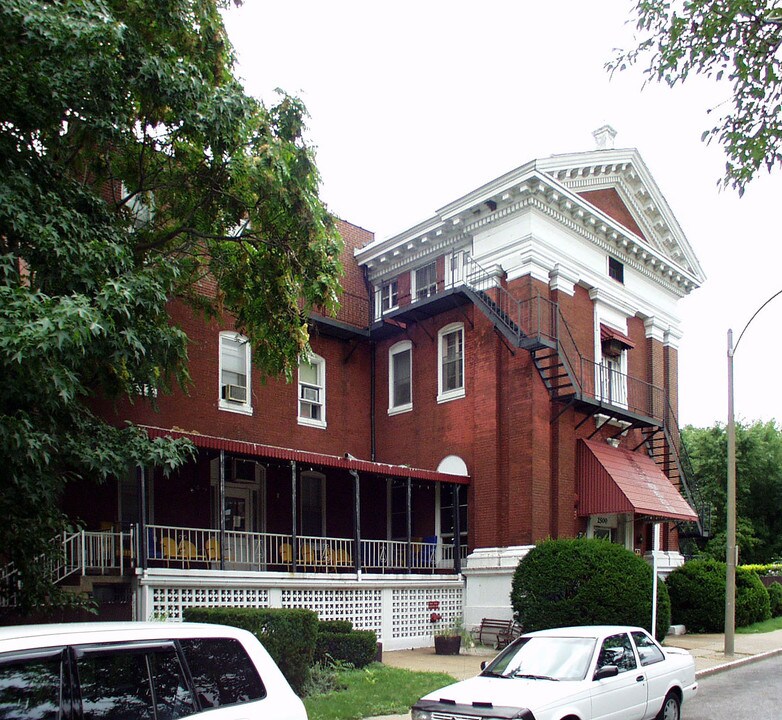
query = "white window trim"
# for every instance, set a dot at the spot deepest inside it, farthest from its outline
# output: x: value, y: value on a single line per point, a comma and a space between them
x: 318, y: 361
x: 244, y: 408
x: 394, y: 350
x: 455, y: 394
x: 612, y: 382
x: 379, y: 292
x: 456, y: 275
x: 414, y: 282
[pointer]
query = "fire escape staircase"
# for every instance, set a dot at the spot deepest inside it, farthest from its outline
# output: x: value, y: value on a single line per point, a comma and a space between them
x: 537, y: 325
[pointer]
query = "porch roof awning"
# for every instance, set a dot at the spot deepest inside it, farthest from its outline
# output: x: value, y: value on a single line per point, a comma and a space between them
x: 616, y: 480
x: 609, y: 333
x: 259, y: 450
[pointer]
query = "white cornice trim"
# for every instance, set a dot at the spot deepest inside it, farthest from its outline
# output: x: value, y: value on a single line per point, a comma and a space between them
x: 532, y: 186
x: 655, y: 329
x: 563, y: 279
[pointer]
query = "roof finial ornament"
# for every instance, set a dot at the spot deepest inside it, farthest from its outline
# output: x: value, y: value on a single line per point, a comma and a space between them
x: 604, y: 137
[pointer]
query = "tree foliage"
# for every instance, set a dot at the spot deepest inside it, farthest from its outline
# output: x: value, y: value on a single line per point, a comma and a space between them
x: 732, y: 41
x: 758, y: 486
x: 134, y: 169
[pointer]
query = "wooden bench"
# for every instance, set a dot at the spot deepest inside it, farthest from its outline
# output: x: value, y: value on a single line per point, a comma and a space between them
x: 496, y: 632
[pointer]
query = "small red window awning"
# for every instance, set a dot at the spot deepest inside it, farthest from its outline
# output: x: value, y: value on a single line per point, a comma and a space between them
x: 608, y: 333
x: 345, y: 462
x: 616, y: 480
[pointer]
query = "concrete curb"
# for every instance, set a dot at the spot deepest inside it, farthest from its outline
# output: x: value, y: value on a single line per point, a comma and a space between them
x: 736, y: 663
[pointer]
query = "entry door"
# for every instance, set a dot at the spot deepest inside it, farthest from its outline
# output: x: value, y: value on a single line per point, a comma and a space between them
x: 312, y: 505
x: 239, y: 511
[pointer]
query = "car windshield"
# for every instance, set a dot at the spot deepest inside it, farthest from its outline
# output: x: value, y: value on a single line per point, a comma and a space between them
x: 545, y: 658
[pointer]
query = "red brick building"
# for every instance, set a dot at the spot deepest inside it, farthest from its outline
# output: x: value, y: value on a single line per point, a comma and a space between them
x: 503, y: 372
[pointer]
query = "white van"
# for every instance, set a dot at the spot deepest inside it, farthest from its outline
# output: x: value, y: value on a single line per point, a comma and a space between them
x: 139, y: 671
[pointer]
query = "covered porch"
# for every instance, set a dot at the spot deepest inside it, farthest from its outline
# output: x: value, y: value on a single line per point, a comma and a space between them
x: 254, y: 508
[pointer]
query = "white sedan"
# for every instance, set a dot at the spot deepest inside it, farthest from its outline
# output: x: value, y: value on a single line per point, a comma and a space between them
x: 576, y: 673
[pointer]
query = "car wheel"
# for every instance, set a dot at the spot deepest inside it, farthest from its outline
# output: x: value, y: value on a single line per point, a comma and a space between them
x: 671, y: 709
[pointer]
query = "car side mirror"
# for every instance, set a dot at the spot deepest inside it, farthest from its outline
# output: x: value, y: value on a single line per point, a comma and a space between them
x: 605, y: 672
x: 483, y: 664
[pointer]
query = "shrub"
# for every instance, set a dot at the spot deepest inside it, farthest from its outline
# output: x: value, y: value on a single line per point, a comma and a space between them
x: 289, y: 635
x: 585, y: 582
x: 335, y: 626
x: 697, y: 591
x: 357, y: 647
x: 752, y: 600
x: 775, y: 599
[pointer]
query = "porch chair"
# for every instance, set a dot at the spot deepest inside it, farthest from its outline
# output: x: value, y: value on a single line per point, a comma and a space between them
x: 286, y: 554
x: 170, y: 548
x: 307, y: 555
x: 188, y: 551
x: 341, y: 558
x: 212, y: 550
x: 429, y: 551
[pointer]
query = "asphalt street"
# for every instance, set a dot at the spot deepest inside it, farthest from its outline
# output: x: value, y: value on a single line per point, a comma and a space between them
x: 751, y: 692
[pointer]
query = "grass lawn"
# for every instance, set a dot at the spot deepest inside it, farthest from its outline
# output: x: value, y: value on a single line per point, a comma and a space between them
x: 375, y: 690
x: 761, y: 627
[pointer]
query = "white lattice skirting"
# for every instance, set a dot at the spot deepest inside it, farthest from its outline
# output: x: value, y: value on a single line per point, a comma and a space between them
x: 400, y: 609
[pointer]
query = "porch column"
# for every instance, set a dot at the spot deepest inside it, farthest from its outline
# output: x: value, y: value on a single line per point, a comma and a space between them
x: 356, y: 522
x: 142, y: 515
x: 294, y: 519
x: 221, y: 503
x: 409, y: 522
x: 457, y: 532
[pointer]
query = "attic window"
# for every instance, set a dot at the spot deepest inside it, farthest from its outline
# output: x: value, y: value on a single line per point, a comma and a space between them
x: 616, y: 270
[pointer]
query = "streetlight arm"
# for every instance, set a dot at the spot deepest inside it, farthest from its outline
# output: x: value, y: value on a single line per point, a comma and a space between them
x: 735, y: 347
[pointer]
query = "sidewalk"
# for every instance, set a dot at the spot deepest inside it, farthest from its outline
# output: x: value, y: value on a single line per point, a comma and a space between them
x: 708, y: 651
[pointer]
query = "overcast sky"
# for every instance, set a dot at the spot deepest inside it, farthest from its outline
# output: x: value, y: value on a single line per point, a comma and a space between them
x: 413, y: 104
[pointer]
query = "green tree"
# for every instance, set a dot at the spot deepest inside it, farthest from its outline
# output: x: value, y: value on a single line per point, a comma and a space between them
x: 586, y: 582
x: 134, y: 170
x: 732, y: 41
x: 758, y: 486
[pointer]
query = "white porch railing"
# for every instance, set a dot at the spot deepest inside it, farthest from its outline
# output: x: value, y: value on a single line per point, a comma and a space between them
x: 83, y: 552
x: 195, y: 547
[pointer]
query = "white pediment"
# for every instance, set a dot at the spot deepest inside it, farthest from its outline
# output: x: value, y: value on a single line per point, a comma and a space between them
x: 657, y: 247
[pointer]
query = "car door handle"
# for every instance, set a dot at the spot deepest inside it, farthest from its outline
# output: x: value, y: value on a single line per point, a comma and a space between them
x: 640, y: 678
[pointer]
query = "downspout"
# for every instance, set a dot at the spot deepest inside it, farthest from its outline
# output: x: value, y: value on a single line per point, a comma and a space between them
x: 372, y: 360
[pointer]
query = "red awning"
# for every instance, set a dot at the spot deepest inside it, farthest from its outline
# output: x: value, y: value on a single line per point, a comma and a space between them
x: 615, y: 480
x: 241, y: 447
x: 608, y: 333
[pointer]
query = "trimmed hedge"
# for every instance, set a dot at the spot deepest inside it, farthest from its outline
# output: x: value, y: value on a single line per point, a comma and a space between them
x: 358, y: 647
x: 289, y: 635
x: 586, y: 582
x: 334, y: 626
x: 697, y: 591
x: 775, y: 598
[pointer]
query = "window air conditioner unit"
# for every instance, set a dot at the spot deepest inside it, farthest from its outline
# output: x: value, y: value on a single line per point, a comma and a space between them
x: 235, y: 393
x: 309, y: 394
